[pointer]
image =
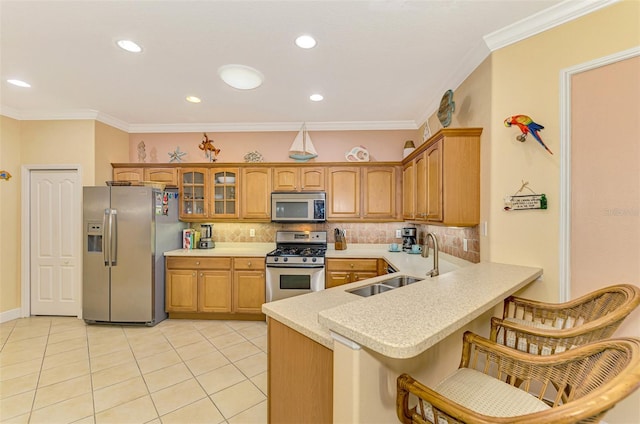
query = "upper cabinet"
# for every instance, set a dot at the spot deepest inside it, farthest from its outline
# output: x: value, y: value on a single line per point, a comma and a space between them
x: 441, y: 179
x: 169, y: 176
x: 256, y: 194
x: 343, y: 192
x: 224, y: 199
x: 194, y: 193
x: 135, y: 175
x: 298, y: 179
x: 379, y: 186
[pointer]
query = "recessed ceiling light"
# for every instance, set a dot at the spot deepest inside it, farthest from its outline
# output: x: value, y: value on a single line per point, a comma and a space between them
x: 19, y: 83
x: 193, y: 99
x: 129, y: 46
x: 240, y: 76
x: 316, y: 97
x: 306, y: 42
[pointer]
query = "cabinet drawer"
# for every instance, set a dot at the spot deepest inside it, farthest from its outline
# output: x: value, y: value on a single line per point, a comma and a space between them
x: 253, y: 263
x: 352, y: 265
x: 198, y: 263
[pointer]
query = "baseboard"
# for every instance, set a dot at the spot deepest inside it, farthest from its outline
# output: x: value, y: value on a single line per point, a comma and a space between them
x: 10, y: 315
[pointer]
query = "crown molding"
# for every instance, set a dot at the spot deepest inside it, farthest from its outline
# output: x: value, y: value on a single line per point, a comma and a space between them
x: 114, y: 122
x: 10, y: 112
x: 546, y: 19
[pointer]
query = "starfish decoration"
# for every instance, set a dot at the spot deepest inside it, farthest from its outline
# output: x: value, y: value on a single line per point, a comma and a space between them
x: 176, y: 155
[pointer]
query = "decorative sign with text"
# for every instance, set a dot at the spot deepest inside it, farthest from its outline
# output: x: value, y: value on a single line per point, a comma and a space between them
x: 523, y: 202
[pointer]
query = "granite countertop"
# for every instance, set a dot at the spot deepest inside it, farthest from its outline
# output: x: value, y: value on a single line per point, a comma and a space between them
x: 227, y: 249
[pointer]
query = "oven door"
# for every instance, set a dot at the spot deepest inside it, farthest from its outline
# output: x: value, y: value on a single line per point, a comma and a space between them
x: 283, y: 282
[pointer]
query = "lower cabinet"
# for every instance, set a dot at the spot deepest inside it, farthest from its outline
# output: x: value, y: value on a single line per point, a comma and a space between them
x: 344, y: 271
x: 215, y: 287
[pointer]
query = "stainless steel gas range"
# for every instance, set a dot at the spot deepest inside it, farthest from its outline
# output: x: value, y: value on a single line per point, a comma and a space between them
x: 296, y: 266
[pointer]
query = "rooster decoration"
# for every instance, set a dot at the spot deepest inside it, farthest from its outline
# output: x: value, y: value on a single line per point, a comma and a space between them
x: 527, y: 126
x: 209, y: 149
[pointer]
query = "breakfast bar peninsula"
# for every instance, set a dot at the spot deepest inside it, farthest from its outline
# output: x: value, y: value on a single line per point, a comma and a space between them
x: 334, y: 356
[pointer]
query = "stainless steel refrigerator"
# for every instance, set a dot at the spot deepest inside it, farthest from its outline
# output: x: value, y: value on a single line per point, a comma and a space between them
x: 126, y: 232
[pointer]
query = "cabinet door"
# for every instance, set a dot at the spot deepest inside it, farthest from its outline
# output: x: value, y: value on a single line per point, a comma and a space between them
x: 248, y: 291
x: 194, y: 202
x: 214, y: 291
x: 337, y: 278
x: 363, y: 275
x: 421, y: 187
x: 285, y: 179
x: 256, y: 194
x: 344, y: 193
x: 181, y: 291
x: 127, y: 174
x: 434, y: 182
x: 312, y: 179
x: 379, y: 189
x: 168, y: 176
x: 408, y: 191
x: 224, y: 198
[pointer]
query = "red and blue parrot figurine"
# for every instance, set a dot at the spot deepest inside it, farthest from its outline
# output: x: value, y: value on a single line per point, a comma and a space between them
x: 527, y: 126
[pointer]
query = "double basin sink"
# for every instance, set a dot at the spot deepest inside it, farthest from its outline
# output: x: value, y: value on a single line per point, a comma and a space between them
x: 384, y: 285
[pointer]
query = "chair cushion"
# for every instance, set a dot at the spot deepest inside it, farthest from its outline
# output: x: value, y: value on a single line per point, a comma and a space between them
x: 487, y: 395
x: 533, y: 324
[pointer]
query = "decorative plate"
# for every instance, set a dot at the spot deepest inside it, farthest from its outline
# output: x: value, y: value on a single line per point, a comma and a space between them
x: 357, y: 154
x: 254, y: 156
x: 447, y: 107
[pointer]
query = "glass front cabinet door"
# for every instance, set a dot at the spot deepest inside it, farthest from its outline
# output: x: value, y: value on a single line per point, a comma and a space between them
x: 194, y: 203
x: 225, y: 193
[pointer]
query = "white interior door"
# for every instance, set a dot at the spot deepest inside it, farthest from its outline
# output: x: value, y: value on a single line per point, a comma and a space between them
x: 54, y: 254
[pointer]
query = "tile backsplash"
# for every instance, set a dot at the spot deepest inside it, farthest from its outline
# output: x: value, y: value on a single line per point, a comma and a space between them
x: 450, y: 240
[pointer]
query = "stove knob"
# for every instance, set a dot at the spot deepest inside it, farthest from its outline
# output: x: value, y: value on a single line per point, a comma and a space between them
x: 304, y: 259
x: 314, y: 259
x: 285, y: 259
x: 276, y: 259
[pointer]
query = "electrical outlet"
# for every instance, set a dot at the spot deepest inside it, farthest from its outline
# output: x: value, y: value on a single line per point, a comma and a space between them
x: 252, y: 232
x: 398, y: 233
x: 465, y: 246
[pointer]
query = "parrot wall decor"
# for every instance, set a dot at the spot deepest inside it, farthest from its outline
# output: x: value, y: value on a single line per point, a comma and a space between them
x: 527, y: 126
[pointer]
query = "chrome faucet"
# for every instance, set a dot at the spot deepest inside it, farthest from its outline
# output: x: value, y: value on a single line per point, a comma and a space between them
x: 425, y: 250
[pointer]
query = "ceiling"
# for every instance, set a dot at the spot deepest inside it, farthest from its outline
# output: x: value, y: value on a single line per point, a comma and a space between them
x: 379, y: 64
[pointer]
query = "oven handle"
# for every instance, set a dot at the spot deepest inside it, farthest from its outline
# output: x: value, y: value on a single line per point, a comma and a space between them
x: 294, y: 266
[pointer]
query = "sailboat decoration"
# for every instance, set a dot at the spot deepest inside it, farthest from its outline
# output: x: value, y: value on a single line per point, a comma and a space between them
x: 302, y: 148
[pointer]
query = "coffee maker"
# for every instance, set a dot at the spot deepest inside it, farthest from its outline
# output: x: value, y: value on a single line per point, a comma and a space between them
x: 206, y: 242
x: 408, y: 238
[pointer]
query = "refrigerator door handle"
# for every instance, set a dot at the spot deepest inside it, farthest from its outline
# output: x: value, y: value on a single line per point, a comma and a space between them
x: 113, y: 227
x: 106, y: 237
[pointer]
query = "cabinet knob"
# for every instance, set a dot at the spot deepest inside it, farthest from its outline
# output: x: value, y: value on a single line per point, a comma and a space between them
x: 197, y: 262
x: 249, y: 263
x: 351, y: 265
x: 201, y: 274
x: 193, y: 274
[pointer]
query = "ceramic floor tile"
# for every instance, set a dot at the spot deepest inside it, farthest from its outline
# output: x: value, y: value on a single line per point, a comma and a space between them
x: 260, y: 342
x: 114, y: 375
x: 220, y: 378
x: 235, y: 399
x: 206, y: 363
x: 260, y: 381
x: 67, y: 333
x: 18, y: 356
x: 20, y: 419
x: 160, y: 360
x: 196, y: 349
x: 67, y: 345
x: 38, y: 344
x: 62, y: 373
x: 119, y: 393
x: 226, y: 340
x: 239, y: 351
x: 200, y: 412
x: 65, y: 358
x: 58, y: 392
x: 9, y: 372
x: 18, y: 385
x: 177, y: 396
x: 165, y: 377
x: 185, y: 338
x: 109, y: 360
x: 216, y: 329
x: 139, y: 410
x: 86, y: 420
x: 16, y: 405
x: 20, y: 334
x: 107, y: 347
x: 239, y: 325
x: 67, y: 411
x: 253, y: 365
x: 253, y: 331
x: 255, y: 415
x: 144, y: 350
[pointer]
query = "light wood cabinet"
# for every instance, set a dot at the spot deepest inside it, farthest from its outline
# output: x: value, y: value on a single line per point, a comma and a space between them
x: 408, y: 191
x: 194, y: 193
x: 446, y: 178
x: 248, y: 285
x: 256, y: 194
x: 298, y: 179
x: 221, y: 287
x: 344, y: 271
x: 224, y: 195
x: 134, y: 175
x: 379, y: 192
x: 169, y: 176
x: 343, y: 193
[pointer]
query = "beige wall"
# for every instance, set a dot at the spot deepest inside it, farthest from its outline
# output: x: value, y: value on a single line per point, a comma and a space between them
x: 111, y: 145
x: 274, y: 146
x: 10, y: 215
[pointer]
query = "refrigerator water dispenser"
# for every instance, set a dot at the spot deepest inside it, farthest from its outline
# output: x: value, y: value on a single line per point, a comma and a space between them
x: 94, y: 237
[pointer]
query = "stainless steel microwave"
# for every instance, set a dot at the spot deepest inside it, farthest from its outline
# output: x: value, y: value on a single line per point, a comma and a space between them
x: 298, y: 207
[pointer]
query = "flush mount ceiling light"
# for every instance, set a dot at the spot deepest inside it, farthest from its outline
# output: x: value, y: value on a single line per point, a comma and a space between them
x: 306, y: 42
x: 316, y: 97
x: 19, y: 83
x: 240, y: 76
x: 129, y: 46
x: 193, y: 99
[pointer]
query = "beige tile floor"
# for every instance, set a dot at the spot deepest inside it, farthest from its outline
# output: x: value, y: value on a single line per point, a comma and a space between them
x: 60, y: 370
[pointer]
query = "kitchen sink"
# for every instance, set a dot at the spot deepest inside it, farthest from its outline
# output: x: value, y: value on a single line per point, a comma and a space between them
x: 403, y: 280
x: 384, y: 285
x: 370, y: 290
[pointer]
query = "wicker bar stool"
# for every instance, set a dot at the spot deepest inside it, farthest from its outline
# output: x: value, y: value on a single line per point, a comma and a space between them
x: 496, y: 384
x: 546, y: 328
